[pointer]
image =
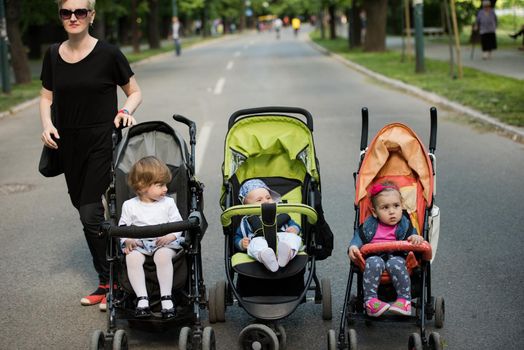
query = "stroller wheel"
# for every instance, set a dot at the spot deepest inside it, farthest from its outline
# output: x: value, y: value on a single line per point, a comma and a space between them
x: 211, y: 305
x: 435, y: 343
x: 120, y: 340
x: 439, y: 312
x: 351, y: 336
x: 208, y: 339
x: 327, y: 313
x: 415, y: 342
x: 331, y: 340
x: 220, y: 301
x: 184, y: 339
x: 258, y: 337
x: 97, y: 341
x: 281, y: 336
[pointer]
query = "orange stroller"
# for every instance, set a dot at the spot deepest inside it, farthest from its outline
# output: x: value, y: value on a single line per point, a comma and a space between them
x: 397, y: 154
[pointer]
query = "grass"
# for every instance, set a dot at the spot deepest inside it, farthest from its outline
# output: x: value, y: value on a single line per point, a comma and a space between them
x: 19, y: 93
x: 24, y: 92
x: 500, y: 97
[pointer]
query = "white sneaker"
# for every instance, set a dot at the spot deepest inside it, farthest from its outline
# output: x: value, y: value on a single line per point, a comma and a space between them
x: 284, y: 254
x: 269, y: 259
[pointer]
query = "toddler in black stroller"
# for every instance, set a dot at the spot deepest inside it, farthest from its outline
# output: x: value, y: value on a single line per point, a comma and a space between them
x: 156, y: 161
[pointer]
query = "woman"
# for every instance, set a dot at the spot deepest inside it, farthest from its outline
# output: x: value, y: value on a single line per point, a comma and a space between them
x: 487, y: 25
x: 83, y: 91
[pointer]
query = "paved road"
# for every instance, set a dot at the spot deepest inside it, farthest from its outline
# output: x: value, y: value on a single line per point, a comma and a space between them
x: 45, y: 263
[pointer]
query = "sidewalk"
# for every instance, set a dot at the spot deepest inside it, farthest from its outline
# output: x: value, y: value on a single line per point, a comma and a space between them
x: 504, y: 62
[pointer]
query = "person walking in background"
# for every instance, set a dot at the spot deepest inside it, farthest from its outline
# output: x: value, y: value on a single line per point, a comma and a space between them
x: 295, y: 24
x: 176, y: 35
x: 363, y: 24
x: 80, y: 78
x: 277, y: 24
x: 487, y: 25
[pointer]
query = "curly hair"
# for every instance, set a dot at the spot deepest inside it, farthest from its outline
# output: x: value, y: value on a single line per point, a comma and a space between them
x: 146, y: 172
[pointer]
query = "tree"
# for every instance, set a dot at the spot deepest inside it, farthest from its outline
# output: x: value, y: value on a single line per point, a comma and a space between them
x: 153, y: 24
x: 19, y: 59
x: 376, y: 11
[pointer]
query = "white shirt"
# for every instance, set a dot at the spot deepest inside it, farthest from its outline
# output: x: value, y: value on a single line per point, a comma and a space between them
x: 138, y: 213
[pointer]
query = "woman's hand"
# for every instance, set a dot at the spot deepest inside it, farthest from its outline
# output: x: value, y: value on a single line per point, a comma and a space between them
x: 124, y: 119
x: 352, y: 252
x: 49, y: 135
x: 130, y: 245
x: 165, y: 240
x: 415, y: 239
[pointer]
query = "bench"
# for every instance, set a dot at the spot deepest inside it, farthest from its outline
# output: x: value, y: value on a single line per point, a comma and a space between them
x: 429, y: 31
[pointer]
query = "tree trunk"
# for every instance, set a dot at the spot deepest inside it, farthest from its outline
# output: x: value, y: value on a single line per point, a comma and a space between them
x: 19, y: 59
x: 99, y: 26
x: 153, y: 25
x: 376, y: 11
x: 135, y: 30
x: 332, y: 22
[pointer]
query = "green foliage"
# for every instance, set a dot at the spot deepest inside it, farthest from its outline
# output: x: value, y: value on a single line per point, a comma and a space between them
x: 497, y: 96
x: 38, y: 12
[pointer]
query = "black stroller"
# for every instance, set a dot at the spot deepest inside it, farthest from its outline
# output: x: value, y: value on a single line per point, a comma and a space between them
x: 397, y: 154
x: 274, y: 144
x: 158, y: 139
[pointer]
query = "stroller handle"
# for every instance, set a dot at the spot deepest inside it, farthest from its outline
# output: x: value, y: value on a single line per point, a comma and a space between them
x: 256, y: 209
x: 191, y: 125
x: 433, y: 131
x: 271, y: 109
x: 397, y: 246
x: 151, y: 230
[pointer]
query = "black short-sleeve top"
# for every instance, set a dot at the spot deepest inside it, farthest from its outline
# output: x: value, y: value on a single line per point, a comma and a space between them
x: 85, y: 92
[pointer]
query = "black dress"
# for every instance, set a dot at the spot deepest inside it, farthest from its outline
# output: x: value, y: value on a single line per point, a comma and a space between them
x: 85, y: 94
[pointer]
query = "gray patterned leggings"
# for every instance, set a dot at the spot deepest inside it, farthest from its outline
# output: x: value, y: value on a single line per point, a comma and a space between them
x: 396, y: 267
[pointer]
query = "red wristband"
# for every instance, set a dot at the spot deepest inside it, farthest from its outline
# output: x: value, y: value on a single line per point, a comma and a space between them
x: 125, y: 111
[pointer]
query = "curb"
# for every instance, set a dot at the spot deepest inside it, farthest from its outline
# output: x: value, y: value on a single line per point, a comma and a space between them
x: 514, y: 133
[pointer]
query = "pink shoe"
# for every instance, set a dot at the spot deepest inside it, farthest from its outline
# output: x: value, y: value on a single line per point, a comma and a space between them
x: 401, y: 307
x: 376, y: 307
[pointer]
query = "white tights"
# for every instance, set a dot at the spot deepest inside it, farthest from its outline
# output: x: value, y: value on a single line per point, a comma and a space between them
x: 164, y: 271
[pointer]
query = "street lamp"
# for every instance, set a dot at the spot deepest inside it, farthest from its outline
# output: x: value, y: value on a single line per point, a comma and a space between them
x: 4, y: 66
x: 419, y: 35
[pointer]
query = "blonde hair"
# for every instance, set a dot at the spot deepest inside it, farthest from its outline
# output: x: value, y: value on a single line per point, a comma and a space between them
x: 90, y: 4
x: 146, y: 172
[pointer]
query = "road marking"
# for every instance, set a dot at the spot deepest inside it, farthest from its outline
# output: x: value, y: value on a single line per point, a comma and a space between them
x: 219, y: 86
x: 201, y: 145
x: 229, y: 65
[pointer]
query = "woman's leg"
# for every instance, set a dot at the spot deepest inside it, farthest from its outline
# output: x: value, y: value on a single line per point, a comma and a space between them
x: 396, y: 267
x: 374, y: 268
x: 91, y: 216
x: 135, y: 271
x: 164, y: 270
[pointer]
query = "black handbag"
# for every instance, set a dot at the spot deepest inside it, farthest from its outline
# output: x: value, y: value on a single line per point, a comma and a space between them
x: 50, y: 164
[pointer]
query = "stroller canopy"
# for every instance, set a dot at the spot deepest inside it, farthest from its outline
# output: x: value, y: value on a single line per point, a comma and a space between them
x: 396, y: 153
x: 273, y: 145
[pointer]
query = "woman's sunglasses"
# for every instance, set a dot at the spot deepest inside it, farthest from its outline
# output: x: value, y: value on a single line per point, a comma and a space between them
x: 79, y: 13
